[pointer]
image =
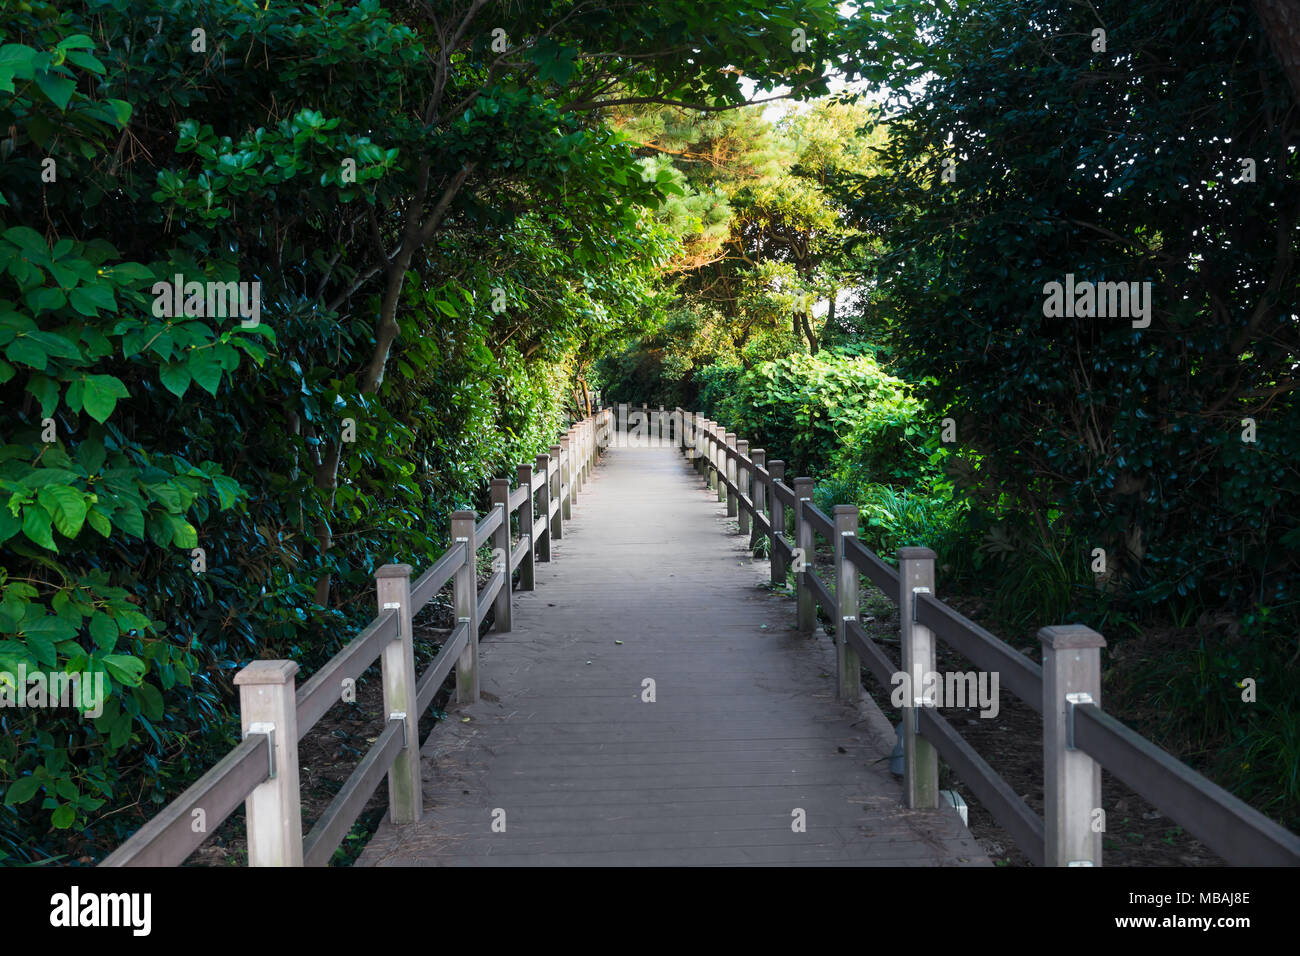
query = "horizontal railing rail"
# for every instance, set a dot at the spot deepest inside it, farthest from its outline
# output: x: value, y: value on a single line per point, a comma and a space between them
x: 172, y: 835
x: 1079, y: 738
x: 262, y: 770
x: 1227, y: 825
x: 318, y: 695
x: 1016, y: 672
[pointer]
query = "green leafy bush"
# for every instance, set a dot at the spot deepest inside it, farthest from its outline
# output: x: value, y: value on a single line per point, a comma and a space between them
x: 819, y: 413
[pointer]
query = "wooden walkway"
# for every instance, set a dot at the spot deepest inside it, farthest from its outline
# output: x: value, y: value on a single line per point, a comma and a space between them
x: 650, y: 581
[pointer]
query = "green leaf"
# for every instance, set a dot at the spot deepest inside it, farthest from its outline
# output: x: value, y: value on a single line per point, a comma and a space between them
x: 44, y: 477
x: 151, y: 701
x: 68, y: 507
x: 78, y: 41
x: 21, y: 790
x: 63, y: 817
x: 93, y: 297
x: 159, y: 526
x: 205, y: 366
x: 184, y: 534
x: 91, y: 455
x: 52, y: 627
x: 99, y: 521
x: 36, y: 525
x: 58, y: 88
x: 130, y: 519
x: 100, y: 396
x: 27, y: 352
x: 227, y: 490
x: 29, y: 241
x: 42, y: 649
x: 124, y: 668
x: 46, y: 391
x: 175, y: 377
x: 103, y: 631
x: 47, y: 299
x: 10, y: 524
x: 15, y: 60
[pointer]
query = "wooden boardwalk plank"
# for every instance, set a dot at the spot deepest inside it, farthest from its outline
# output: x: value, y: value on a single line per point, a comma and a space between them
x: 744, y: 730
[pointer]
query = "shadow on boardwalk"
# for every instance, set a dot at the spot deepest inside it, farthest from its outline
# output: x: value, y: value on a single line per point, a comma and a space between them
x: 744, y: 730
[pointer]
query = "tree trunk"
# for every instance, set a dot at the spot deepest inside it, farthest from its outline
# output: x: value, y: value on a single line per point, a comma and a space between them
x: 327, y: 472
x: 804, y: 326
x: 1281, y: 22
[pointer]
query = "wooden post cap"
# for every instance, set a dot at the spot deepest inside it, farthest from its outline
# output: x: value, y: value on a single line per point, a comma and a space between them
x: 267, y: 672
x: 1068, y: 636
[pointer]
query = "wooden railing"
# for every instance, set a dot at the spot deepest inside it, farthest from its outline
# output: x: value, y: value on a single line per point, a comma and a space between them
x: 1079, y: 738
x: 262, y: 771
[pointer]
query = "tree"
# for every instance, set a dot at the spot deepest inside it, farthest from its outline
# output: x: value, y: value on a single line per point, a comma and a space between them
x: 1129, y: 163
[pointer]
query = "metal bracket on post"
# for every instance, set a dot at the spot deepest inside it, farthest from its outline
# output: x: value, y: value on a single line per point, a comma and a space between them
x: 1080, y: 863
x: 917, y: 704
x: 1072, y: 701
x: 400, y: 715
x: 392, y: 606
x: 269, y: 731
x: 915, y: 592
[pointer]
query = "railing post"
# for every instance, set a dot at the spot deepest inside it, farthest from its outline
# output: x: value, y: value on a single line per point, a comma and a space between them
x: 742, y: 486
x: 701, y: 446
x: 759, y: 457
x: 730, y: 490
x: 711, y: 453
x: 665, y: 427
x: 566, y: 480
x: 575, y: 462
x: 803, y: 533
x: 544, y: 508
x: 575, y: 465
x: 580, y: 432
x: 273, y: 814
x: 701, y: 463
x: 848, y: 667
x: 465, y: 585
x: 726, y: 440
x: 1071, y: 778
x: 776, y: 471
x: 920, y: 761
x: 587, y: 445
x: 555, y: 482
x: 500, y: 497
x: 579, y: 458
x: 405, y: 796
x: 526, y: 578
